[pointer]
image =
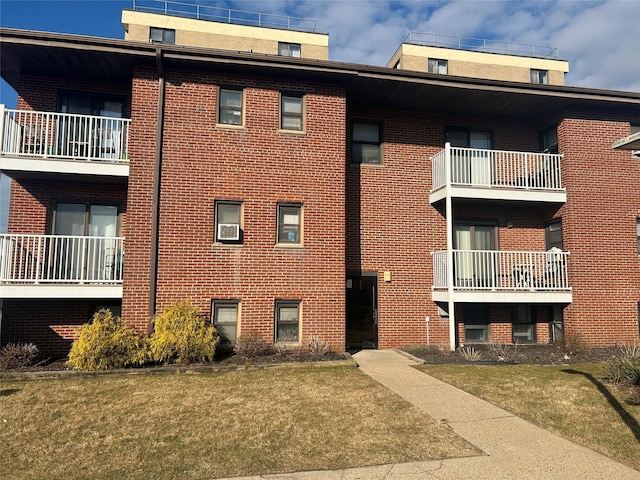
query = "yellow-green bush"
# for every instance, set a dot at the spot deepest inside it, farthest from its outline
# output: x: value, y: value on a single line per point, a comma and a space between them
x: 107, y: 343
x: 182, y: 335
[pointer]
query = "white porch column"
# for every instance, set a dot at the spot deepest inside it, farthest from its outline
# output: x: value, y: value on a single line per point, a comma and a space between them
x: 449, y: 217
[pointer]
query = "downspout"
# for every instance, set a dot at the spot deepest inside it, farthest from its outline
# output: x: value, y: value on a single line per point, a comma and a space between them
x: 449, y: 217
x: 157, y: 177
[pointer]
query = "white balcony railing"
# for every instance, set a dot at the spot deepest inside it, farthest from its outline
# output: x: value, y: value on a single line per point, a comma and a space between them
x: 32, y: 259
x: 481, y: 168
x: 503, y: 270
x: 63, y: 136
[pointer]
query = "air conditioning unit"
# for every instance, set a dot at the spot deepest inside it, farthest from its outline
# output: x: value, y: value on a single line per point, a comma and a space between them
x: 228, y: 231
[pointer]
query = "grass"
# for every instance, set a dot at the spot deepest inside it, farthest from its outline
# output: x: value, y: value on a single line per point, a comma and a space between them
x: 571, y: 401
x: 209, y: 426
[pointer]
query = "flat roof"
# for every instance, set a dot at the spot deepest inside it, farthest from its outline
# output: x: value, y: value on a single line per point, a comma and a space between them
x: 63, y: 55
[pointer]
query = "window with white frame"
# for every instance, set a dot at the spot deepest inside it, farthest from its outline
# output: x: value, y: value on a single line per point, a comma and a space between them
x: 366, y: 142
x: 540, y: 76
x: 162, y: 35
x: 287, y: 328
x: 224, y: 316
x: 289, y: 49
x: 291, y: 111
x: 230, y: 106
x: 638, y: 233
x: 438, y: 65
x: 290, y: 224
x: 228, y: 222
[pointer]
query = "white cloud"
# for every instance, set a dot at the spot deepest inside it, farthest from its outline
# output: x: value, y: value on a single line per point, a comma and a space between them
x: 600, y: 39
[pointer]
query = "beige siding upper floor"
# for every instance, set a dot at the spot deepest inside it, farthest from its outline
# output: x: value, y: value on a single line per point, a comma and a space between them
x: 492, y: 66
x: 226, y: 36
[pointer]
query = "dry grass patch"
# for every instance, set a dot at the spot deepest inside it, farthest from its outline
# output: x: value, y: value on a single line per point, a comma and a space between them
x: 208, y: 426
x: 572, y: 401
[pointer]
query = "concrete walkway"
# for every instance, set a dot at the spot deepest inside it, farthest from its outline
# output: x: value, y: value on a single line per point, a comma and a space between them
x: 513, y: 447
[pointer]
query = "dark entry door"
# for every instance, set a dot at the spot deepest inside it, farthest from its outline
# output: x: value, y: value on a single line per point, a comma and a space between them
x: 362, y: 311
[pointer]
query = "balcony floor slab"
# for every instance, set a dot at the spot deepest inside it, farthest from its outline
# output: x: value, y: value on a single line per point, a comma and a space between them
x: 59, y: 291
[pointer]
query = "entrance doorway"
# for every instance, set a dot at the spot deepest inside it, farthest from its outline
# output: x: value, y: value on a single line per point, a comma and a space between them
x: 362, y: 311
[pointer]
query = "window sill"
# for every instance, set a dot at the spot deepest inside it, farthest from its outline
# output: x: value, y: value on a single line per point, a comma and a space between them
x: 226, y: 245
x: 367, y: 165
x: 298, y: 133
x: 294, y: 246
x: 226, y: 126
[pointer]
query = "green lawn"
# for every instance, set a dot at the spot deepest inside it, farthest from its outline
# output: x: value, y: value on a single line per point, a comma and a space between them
x: 214, y: 425
x: 572, y: 401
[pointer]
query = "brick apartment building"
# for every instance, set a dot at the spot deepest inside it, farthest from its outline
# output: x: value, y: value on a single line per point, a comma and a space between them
x: 451, y: 197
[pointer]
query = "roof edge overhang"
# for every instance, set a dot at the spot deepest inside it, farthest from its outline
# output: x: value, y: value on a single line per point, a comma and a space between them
x: 630, y: 142
x: 365, y: 80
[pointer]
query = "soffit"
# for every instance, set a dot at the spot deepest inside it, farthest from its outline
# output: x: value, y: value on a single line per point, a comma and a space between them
x: 41, y: 53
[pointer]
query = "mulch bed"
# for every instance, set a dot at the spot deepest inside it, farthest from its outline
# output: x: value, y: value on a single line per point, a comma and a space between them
x: 222, y: 359
x: 551, y: 354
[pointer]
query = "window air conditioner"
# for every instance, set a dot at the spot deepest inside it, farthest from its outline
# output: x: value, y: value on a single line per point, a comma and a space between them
x: 228, y: 231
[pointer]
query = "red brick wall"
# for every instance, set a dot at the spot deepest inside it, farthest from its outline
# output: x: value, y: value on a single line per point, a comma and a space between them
x: 41, y: 93
x: 50, y: 324
x: 599, y: 228
x: 142, y: 134
x: 30, y: 207
x: 391, y: 225
x: 261, y: 167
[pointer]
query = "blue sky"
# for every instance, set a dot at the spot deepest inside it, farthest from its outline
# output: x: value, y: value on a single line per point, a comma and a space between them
x: 599, y: 38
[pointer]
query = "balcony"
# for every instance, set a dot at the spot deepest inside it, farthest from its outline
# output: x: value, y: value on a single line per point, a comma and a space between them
x: 60, y: 266
x: 496, y: 175
x: 496, y: 276
x: 37, y: 144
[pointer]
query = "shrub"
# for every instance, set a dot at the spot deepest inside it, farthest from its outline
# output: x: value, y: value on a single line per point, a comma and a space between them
x: 107, y: 343
x: 574, y: 344
x: 624, y: 371
x: 317, y: 346
x: 630, y: 351
x: 16, y: 355
x: 470, y: 354
x: 252, y: 345
x: 182, y: 335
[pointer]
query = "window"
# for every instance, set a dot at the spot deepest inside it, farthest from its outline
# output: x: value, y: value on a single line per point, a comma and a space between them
x: 229, y: 222
x: 437, y: 65
x: 289, y: 49
x: 287, y: 321
x: 522, y: 326
x: 291, y: 108
x: 540, y: 76
x: 162, y: 35
x: 638, y: 233
x: 366, y: 143
x: 549, y: 140
x: 557, y: 323
x: 74, y: 257
x: 553, y: 234
x: 475, y: 265
x: 463, y: 137
x: 476, y: 323
x: 230, y: 106
x: 289, y: 224
x: 224, y: 316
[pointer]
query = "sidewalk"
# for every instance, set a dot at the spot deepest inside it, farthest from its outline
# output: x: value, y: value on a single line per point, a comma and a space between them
x: 513, y: 447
